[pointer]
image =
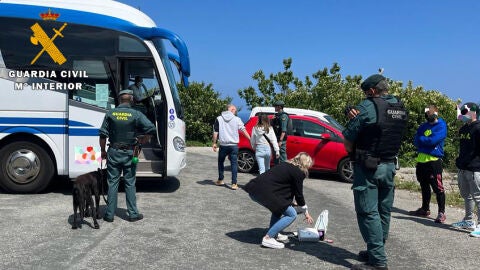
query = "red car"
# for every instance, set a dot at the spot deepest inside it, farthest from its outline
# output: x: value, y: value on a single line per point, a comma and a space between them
x: 323, y: 142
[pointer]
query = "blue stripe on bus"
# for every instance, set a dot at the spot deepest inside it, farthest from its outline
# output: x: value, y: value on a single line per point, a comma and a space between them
x: 33, y: 121
x: 83, y: 131
x: 34, y: 130
x: 50, y: 130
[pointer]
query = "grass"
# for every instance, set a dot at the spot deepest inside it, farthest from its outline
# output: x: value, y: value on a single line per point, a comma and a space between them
x: 452, y: 198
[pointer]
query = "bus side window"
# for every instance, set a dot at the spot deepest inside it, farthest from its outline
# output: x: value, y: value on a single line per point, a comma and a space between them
x: 95, y: 88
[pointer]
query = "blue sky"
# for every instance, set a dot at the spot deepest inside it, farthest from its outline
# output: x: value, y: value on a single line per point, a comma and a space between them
x: 434, y: 44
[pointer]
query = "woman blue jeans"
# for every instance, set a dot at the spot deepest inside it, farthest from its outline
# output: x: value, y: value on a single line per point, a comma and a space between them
x: 279, y: 222
x: 263, y: 154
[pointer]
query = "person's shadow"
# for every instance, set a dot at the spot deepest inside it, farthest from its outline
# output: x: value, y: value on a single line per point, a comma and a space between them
x: 427, y: 221
x: 322, y: 250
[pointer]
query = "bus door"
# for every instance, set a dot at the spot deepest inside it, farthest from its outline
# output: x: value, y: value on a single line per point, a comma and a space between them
x: 86, y: 111
x: 140, y: 76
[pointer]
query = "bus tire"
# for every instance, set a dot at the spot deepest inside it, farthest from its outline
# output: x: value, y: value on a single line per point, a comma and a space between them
x: 25, y: 167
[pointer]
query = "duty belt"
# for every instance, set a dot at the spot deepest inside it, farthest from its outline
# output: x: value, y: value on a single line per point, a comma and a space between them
x: 123, y: 146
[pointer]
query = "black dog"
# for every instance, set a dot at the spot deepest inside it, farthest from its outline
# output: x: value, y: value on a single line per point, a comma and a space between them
x: 84, y: 186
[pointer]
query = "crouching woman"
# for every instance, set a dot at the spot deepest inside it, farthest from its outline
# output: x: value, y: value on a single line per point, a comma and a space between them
x: 276, y: 189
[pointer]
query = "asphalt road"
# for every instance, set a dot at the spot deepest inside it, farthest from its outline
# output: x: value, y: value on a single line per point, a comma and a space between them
x: 192, y: 224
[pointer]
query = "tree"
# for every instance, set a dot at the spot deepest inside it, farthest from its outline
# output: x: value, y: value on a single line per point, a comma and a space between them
x: 202, y: 104
x: 328, y: 92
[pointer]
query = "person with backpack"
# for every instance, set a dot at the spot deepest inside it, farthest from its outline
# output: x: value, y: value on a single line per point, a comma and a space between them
x: 280, y: 125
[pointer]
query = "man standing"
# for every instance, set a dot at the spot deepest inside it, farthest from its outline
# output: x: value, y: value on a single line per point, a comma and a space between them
x: 139, y: 95
x: 429, y: 141
x: 279, y: 124
x: 374, y: 137
x: 226, y: 129
x: 468, y: 164
x: 121, y: 125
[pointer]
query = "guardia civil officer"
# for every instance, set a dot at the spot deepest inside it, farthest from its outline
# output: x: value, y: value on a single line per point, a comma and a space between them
x: 373, y: 137
x: 279, y: 124
x: 122, y: 125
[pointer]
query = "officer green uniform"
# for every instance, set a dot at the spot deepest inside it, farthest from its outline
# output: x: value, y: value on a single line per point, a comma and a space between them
x: 281, y: 126
x: 373, y: 185
x: 121, y: 125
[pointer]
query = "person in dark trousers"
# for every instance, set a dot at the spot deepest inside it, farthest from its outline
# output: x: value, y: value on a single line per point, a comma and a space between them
x: 468, y: 164
x: 429, y: 140
x: 373, y: 138
x: 225, y: 130
x: 120, y: 126
x: 275, y: 189
x: 279, y: 124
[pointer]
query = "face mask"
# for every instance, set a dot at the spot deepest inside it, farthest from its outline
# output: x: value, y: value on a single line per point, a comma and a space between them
x: 430, y: 118
x: 466, y: 118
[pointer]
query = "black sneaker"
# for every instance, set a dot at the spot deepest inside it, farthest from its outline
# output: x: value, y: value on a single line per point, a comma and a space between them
x: 363, y: 256
x: 367, y: 266
x: 137, y: 218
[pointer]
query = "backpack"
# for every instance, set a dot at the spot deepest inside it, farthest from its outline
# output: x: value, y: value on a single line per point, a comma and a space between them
x: 277, y: 125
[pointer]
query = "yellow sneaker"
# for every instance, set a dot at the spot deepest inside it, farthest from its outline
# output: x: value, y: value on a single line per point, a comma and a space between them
x: 219, y: 183
x: 234, y: 186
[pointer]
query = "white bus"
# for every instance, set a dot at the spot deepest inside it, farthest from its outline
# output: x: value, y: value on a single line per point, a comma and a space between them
x: 62, y: 64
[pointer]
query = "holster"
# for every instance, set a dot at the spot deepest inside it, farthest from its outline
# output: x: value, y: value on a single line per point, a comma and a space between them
x: 366, y: 160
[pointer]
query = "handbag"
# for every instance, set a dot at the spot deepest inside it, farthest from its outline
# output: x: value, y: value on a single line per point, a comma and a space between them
x: 318, y: 232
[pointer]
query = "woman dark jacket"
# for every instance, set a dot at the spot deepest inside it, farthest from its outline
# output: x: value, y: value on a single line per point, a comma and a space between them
x: 276, y: 188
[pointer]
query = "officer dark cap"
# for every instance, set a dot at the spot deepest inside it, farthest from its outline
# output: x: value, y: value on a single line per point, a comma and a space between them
x: 279, y: 103
x: 371, y: 81
x: 125, y: 91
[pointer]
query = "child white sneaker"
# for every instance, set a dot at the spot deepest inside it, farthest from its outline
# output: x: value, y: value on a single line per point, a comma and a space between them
x: 272, y: 243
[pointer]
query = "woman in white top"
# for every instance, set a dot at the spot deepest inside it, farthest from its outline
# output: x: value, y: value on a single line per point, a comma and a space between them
x: 261, y: 146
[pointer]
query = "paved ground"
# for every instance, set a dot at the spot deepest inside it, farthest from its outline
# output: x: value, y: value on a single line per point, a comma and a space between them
x: 192, y: 224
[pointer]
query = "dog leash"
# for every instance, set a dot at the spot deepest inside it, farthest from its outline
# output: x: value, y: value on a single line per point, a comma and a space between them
x: 101, y: 184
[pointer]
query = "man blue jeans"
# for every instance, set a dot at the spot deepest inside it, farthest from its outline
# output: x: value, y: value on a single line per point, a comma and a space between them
x: 232, y: 152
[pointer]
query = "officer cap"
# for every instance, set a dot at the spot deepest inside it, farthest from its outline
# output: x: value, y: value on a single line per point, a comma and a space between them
x: 125, y: 91
x: 469, y: 107
x: 371, y: 81
x: 279, y: 103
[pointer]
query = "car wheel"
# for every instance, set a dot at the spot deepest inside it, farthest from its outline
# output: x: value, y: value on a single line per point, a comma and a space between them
x: 345, y: 170
x: 25, y: 167
x: 246, y: 161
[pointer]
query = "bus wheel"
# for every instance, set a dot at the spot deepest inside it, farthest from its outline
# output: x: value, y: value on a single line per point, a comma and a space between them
x: 25, y: 167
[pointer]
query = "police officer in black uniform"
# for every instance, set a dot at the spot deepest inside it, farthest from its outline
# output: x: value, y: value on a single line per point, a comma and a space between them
x: 374, y: 137
x: 121, y: 125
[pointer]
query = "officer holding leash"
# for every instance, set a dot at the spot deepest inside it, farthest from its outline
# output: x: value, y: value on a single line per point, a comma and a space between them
x: 121, y: 125
x: 373, y: 137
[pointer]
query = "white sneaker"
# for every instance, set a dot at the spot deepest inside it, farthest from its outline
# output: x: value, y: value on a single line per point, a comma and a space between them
x: 282, y: 237
x: 476, y: 232
x: 272, y: 243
